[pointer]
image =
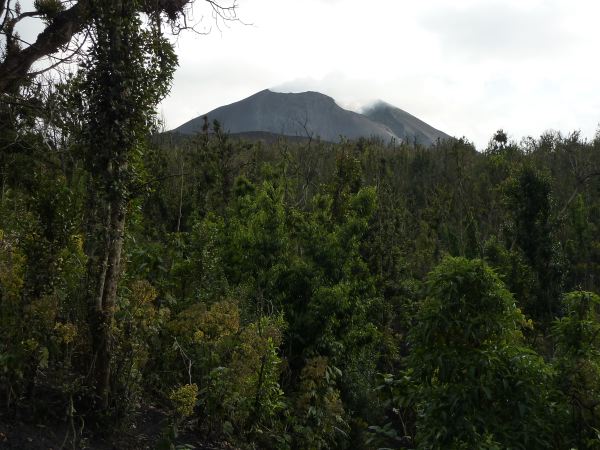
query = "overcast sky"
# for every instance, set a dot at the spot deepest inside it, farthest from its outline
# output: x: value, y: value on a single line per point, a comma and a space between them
x: 467, y: 67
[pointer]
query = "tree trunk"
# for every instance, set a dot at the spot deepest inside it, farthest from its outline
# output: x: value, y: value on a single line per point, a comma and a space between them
x: 106, y: 283
x: 121, y: 90
x: 106, y: 228
x: 108, y: 153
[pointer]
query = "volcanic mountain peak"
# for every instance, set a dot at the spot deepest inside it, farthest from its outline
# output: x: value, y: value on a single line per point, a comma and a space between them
x: 312, y: 114
x: 404, y: 125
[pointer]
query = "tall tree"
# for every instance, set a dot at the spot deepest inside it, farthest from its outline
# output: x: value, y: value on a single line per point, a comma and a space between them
x: 128, y: 71
x: 530, y: 204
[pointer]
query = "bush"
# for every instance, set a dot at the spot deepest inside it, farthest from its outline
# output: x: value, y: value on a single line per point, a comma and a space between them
x: 477, y: 386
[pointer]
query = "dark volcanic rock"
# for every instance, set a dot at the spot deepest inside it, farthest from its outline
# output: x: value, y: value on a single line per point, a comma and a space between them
x: 314, y: 115
x: 309, y: 114
x: 404, y: 125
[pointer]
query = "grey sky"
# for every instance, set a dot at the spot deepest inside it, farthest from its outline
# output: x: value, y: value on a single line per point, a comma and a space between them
x: 501, y: 30
x: 467, y: 67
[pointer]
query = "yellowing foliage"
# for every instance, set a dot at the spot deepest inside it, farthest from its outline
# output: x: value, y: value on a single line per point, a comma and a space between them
x: 201, y: 324
x: 66, y: 332
x: 184, y: 399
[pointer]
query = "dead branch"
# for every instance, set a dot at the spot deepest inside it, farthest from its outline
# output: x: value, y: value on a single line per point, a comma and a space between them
x: 61, y: 29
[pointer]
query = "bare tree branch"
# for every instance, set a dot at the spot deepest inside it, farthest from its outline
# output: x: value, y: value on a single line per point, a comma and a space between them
x: 14, y: 69
x: 66, y: 24
x: 61, y: 60
x: 4, y: 8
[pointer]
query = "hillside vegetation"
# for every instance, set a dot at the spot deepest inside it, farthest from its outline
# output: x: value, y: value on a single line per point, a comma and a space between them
x: 165, y: 292
x: 307, y: 295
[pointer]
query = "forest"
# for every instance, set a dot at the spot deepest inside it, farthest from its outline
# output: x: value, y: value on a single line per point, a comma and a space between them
x: 214, y: 292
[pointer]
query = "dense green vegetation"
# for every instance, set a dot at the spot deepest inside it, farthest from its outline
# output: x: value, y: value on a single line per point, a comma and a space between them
x: 312, y: 295
x: 287, y: 295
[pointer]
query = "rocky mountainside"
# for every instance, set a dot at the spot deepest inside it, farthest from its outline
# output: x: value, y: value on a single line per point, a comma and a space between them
x: 312, y: 114
x: 404, y: 125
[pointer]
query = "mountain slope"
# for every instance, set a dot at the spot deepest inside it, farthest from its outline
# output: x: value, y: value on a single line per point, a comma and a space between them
x: 404, y: 125
x: 307, y: 114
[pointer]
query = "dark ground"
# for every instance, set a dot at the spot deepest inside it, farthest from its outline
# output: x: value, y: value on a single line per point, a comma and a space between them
x: 143, y: 434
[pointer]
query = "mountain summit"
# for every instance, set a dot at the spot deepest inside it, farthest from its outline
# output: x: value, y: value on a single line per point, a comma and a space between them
x: 404, y: 125
x: 312, y: 114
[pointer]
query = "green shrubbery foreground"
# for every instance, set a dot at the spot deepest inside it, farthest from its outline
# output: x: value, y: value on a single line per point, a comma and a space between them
x: 312, y: 295
x: 278, y: 295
